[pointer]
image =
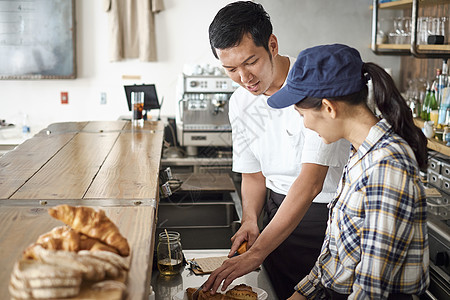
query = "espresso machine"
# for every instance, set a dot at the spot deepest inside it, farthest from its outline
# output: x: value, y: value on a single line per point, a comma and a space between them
x: 202, y: 119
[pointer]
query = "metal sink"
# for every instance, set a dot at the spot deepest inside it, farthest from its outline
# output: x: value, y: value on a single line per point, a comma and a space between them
x: 205, y: 221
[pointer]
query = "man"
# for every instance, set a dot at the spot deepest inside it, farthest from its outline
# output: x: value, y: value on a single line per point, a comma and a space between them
x: 272, y: 150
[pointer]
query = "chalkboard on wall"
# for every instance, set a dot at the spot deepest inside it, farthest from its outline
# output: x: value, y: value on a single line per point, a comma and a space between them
x: 37, y: 39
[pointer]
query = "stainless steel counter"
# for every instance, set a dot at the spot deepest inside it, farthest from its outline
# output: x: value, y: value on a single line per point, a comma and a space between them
x: 166, y: 287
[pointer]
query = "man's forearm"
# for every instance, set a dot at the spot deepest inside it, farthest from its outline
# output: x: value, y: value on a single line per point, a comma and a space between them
x: 253, y: 190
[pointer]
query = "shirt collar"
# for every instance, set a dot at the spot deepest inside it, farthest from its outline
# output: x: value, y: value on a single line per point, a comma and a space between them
x: 375, y: 134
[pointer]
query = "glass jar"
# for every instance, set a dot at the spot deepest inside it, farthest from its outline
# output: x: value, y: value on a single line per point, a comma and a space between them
x: 169, y: 253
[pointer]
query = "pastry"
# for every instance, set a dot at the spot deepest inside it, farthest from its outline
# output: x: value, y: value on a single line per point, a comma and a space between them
x: 242, y: 292
x: 206, y: 295
x: 92, y: 223
x: 88, y: 243
x: 239, y: 292
x: 63, y: 237
x: 59, y: 238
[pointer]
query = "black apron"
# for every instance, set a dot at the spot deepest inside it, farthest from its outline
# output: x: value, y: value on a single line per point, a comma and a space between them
x: 296, y: 256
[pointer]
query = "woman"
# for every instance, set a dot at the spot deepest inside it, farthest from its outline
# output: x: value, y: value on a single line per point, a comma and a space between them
x: 376, y: 244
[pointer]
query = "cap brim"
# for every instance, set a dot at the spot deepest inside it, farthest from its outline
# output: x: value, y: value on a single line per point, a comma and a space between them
x: 284, y: 98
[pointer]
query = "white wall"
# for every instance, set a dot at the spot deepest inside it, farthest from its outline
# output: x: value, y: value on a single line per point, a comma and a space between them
x: 182, y: 37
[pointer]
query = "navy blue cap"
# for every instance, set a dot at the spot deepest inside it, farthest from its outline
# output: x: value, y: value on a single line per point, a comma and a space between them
x: 321, y: 72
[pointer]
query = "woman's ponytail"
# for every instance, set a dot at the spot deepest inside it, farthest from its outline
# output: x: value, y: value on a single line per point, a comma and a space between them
x: 396, y: 112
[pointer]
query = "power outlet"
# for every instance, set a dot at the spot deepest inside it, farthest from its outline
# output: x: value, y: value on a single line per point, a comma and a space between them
x: 102, y: 98
x: 64, y: 98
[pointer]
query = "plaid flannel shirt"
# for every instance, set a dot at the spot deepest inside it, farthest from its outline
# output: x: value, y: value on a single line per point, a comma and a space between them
x: 376, y: 241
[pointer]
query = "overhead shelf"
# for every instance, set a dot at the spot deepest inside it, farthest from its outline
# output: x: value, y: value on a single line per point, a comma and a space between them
x: 408, y: 47
x: 401, y: 4
x: 419, y: 51
x: 394, y: 46
x: 405, y: 4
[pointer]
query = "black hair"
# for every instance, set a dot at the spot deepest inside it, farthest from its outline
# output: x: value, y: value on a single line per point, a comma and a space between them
x: 392, y: 106
x: 235, y: 20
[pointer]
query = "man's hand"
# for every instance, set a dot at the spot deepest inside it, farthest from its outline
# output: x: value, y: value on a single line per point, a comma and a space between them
x: 249, y: 231
x: 231, y: 269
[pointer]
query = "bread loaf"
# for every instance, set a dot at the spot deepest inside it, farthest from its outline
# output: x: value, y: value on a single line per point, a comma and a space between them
x: 32, y: 269
x: 40, y: 280
x: 95, y: 269
x: 110, y: 269
x: 115, y: 259
x: 55, y: 292
x: 60, y: 258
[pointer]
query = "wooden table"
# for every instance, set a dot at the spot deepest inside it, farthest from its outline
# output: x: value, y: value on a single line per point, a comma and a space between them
x: 107, y: 165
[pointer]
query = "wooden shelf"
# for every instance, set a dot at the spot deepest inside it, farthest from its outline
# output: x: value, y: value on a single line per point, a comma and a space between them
x: 433, y: 143
x: 405, y: 4
x: 408, y: 47
x: 434, y: 47
x: 394, y: 46
x: 401, y: 4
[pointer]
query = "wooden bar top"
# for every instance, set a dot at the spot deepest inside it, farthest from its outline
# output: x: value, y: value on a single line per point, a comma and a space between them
x: 106, y: 165
x: 98, y: 160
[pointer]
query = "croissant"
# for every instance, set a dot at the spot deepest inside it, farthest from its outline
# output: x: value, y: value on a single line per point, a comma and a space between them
x: 60, y: 238
x: 87, y: 243
x: 92, y: 223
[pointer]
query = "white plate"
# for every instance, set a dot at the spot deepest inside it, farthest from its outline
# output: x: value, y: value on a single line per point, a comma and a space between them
x: 262, y: 294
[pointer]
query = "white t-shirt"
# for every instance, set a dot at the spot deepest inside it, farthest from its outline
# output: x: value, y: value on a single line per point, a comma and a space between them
x: 275, y: 142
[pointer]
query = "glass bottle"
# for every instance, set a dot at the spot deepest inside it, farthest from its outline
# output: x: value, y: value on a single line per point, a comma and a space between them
x: 442, y: 84
x: 426, y: 105
x: 433, y: 109
x: 435, y: 83
x: 169, y: 253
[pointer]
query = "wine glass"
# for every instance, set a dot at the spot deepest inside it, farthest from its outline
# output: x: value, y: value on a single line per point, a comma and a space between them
x: 406, y: 33
x: 394, y: 33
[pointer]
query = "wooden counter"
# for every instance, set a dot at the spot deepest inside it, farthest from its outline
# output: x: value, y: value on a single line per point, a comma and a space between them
x: 107, y: 165
x: 433, y: 143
